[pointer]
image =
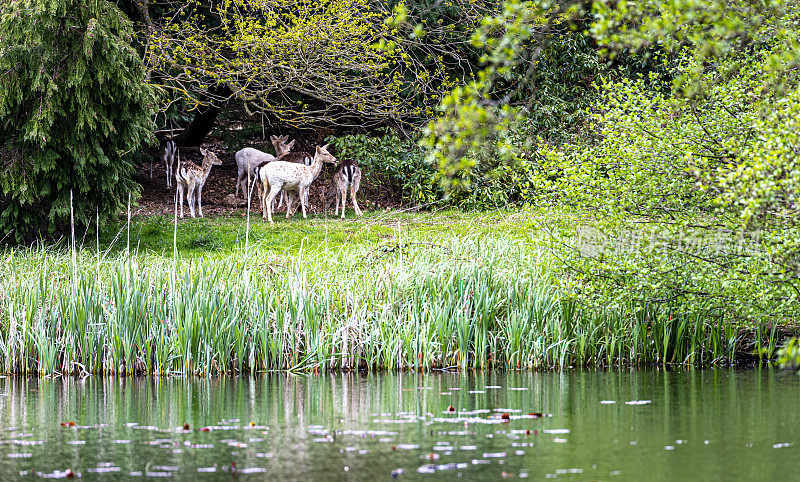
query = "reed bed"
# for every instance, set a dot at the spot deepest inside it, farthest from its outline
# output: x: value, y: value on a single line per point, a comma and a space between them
x: 465, y: 302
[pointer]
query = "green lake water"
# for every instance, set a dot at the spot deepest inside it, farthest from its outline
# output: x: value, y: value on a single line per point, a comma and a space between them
x: 689, y: 424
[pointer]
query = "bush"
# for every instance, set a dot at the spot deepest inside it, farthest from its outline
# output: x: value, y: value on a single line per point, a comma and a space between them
x: 397, y: 163
x: 75, y: 106
x: 404, y: 168
x: 694, y: 197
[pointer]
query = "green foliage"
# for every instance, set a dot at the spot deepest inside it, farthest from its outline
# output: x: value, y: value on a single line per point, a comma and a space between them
x: 405, y: 168
x: 789, y: 355
x: 75, y: 105
x: 401, y: 164
x: 693, y: 197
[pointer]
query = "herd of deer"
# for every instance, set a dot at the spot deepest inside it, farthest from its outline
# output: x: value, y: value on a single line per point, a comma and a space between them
x: 286, y: 173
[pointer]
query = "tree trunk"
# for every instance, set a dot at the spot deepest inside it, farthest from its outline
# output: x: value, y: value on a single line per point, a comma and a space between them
x: 198, y: 129
x: 204, y: 118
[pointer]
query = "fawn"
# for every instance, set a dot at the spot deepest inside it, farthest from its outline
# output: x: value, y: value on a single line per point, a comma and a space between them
x: 192, y: 177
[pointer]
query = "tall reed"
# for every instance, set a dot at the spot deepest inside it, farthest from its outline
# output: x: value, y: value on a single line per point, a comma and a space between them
x: 461, y: 303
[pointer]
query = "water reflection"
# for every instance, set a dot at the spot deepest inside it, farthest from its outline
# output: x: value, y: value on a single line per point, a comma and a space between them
x: 654, y: 425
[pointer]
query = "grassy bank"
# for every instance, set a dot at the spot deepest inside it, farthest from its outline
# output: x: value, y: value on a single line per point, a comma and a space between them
x: 389, y: 291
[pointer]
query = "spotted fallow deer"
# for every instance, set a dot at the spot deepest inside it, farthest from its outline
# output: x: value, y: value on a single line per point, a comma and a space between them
x: 168, y: 158
x: 347, y: 174
x: 192, y: 177
x: 292, y: 177
x: 248, y: 158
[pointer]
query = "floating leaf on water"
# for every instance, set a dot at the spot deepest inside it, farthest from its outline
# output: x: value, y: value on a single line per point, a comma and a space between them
x: 638, y: 402
x: 430, y: 456
x: 251, y: 470
x: 451, y: 408
x: 556, y: 430
x: 186, y: 426
x: 427, y: 469
x: 397, y: 473
x: 505, y: 416
x: 608, y: 402
x: 103, y: 470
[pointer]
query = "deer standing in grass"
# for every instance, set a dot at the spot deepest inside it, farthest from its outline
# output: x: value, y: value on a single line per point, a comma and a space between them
x: 192, y: 177
x: 168, y: 158
x: 347, y: 174
x: 248, y: 158
x: 292, y: 177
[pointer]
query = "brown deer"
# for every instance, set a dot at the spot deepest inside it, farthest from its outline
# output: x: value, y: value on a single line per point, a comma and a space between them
x: 168, y: 158
x: 346, y: 174
x: 192, y: 177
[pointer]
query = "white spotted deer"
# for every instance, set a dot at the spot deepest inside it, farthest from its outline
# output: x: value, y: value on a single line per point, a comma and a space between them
x: 248, y: 158
x: 292, y: 177
x: 192, y: 177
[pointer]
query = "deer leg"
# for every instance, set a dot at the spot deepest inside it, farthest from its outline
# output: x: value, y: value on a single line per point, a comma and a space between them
x: 200, y: 199
x: 302, y: 195
x: 273, y: 191
x: 283, y: 200
x: 289, y: 201
x: 262, y: 197
x: 355, y: 204
x: 343, y: 194
x: 180, y: 197
x: 192, y: 196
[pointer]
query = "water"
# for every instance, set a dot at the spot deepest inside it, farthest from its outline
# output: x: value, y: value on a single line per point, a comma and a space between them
x: 718, y: 424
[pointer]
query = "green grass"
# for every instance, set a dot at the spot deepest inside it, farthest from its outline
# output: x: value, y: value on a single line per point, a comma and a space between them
x: 218, y: 236
x: 388, y: 291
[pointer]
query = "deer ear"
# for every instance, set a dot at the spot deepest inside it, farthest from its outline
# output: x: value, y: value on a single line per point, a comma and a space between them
x: 203, y: 151
x: 273, y: 138
x: 291, y: 144
x: 325, y: 147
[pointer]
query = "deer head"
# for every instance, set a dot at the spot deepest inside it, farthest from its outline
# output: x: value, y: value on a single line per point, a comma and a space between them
x: 323, y: 155
x: 210, y: 157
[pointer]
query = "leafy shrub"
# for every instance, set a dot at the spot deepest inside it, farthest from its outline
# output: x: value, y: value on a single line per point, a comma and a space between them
x: 693, y: 196
x: 399, y: 163
x: 405, y: 168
